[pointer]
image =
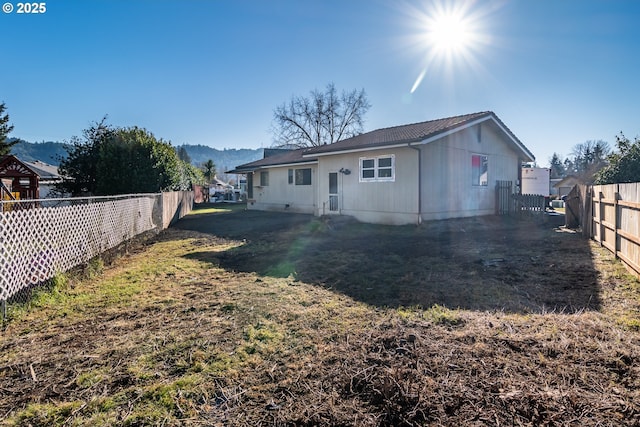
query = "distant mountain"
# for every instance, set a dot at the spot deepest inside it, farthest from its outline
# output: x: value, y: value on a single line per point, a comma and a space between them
x: 227, y: 159
x: 48, y: 152
x: 224, y: 160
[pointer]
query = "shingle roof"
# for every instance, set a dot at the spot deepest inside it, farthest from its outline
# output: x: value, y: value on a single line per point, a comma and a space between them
x: 287, y: 157
x: 414, y: 132
x: 400, y: 134
x: 44, y: 170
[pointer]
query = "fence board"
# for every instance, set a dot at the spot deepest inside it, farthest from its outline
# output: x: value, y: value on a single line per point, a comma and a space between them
x: 614, y: 220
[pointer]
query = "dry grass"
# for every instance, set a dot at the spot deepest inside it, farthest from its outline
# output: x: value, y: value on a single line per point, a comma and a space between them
x: 210, y: 329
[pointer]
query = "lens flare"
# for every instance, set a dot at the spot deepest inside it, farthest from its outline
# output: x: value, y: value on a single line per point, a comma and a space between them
x: 450, y: 35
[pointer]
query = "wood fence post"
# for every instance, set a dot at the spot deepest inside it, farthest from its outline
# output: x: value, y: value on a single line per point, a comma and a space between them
x: 600, y: 217
x: 615, y: 220
x: 587, y: 212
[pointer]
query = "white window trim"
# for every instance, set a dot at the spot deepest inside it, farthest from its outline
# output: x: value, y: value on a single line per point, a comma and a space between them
x: 376, y: 168
x: 480, y: 184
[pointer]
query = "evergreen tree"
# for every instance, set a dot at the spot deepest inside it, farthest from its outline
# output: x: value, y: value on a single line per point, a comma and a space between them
x: 80, y: 166
x: 557, y: 166
x: 5, y: 130
x: 183, y: 155
x: 109, y: 161
x: 624, y: 165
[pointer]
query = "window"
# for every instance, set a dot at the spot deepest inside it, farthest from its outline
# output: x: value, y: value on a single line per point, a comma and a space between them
x: 264, y: 179
x: 303, y: 176
x: 290, y: 176
x: 377, y: 169
x: 479, y: 170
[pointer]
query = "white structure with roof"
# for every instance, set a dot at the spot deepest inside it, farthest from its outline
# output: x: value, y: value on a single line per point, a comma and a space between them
x: 438, y: 169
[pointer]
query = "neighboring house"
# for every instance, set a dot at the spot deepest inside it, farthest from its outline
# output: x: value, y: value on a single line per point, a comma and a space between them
x: 566, y: 184
x: 26, y: 180
x: 438, y: 169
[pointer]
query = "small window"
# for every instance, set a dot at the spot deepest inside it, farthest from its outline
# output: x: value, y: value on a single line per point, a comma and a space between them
x: 479, y: 170
x: 377, y: 169
x: 303, y: 176
x: 290, y: 176
x: 264, y: 179
x: 368, y: 168
x: 384, y: 167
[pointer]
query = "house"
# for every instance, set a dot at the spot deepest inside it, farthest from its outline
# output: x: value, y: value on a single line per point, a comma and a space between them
x: 566, y: 184
x: 26, y: 180
x: 438, y: 169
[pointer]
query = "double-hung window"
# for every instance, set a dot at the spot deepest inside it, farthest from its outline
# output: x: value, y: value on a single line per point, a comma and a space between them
x: 376, y: 169
x: 479, y: 170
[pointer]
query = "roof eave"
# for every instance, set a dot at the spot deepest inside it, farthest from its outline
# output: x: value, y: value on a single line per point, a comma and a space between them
x: 243, y: 170
x: 395, y: 144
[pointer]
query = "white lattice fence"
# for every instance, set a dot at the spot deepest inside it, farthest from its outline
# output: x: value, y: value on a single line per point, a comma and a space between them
x: 37, y: 243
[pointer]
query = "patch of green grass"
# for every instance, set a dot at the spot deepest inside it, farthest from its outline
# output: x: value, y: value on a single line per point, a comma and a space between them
x: 91, y: 378
x: 409, y: 313
x: 47, y: 414
x: 282, y: 269
x: 441, y: 315
x: 218, y: 208
x: 261, y: 338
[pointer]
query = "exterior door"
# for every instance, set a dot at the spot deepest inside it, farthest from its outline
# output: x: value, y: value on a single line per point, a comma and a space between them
x: 333, y: 193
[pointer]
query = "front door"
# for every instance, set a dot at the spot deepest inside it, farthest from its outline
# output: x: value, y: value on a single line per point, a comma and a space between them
x: 333, y: 192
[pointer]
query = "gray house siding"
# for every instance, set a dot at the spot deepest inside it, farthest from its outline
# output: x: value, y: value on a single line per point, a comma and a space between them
x: 280, y: 195
x: 447, y: 187
x: 391, y: 202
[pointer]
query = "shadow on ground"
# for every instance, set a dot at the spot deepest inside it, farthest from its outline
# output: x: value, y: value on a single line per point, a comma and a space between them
x: 484, y: 263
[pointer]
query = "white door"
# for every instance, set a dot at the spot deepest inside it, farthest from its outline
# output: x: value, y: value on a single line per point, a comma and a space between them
x: 333, y: 193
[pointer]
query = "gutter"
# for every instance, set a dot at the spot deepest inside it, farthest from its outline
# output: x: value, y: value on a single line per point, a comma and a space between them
x: 419, y: 181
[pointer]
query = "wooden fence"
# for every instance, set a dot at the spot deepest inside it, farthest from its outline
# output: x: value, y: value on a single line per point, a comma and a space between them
x: 508, y: 203
x: 610, y: 215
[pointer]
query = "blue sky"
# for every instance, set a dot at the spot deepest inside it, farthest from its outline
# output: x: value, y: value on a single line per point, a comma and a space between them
x: 211, y: 72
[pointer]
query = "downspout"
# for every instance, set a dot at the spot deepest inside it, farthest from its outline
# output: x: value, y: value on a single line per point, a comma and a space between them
x: 419, y: 181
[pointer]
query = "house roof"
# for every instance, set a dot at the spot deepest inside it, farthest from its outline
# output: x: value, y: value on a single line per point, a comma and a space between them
x: 418, y: 133
x: 11, y: 166
x: 415, y: 133
x: 285, y: 157
x: 569, y: 180
x: 45, y: 171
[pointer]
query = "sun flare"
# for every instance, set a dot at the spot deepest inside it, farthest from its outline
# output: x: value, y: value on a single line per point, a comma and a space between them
x: 450, y: 35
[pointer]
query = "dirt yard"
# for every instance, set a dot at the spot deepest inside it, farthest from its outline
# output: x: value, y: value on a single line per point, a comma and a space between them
x: 246, y: 318
x: 487, y: 263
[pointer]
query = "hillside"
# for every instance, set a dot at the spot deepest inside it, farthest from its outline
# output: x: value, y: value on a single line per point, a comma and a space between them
x: 226, y: 159
x: 48, y: 152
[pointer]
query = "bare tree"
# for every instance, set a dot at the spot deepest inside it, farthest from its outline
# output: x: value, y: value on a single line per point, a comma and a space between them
x: 323, y: 118
x: 588, y: 158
